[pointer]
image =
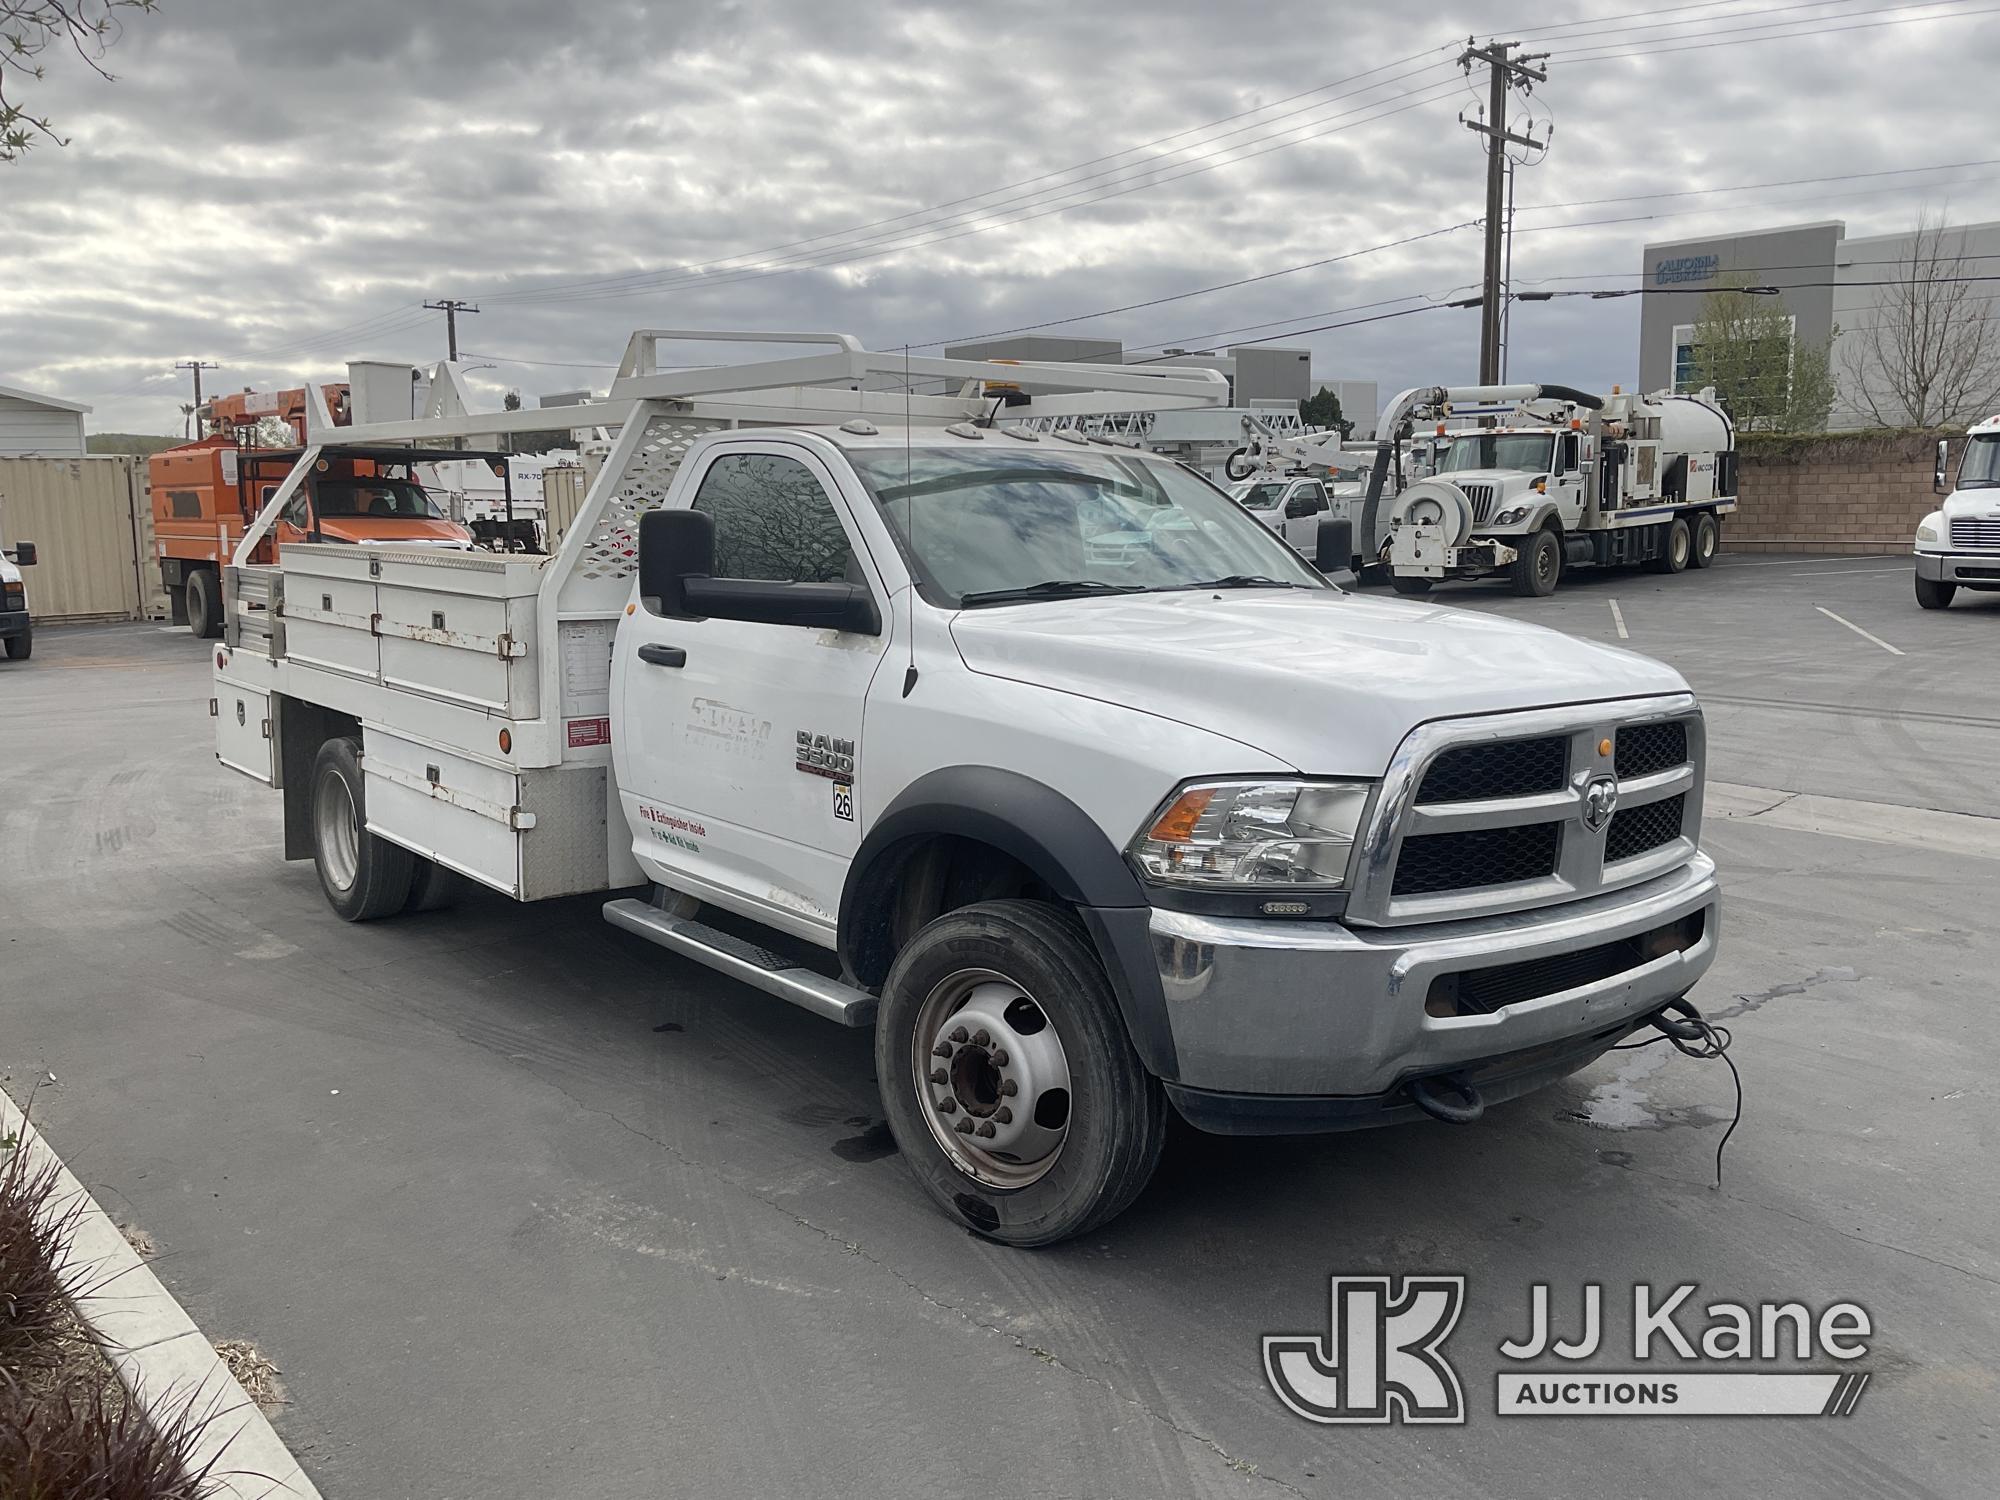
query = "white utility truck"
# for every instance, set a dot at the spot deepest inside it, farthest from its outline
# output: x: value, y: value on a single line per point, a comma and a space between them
x: 1036, y: 753
x: 17, y: 625
x: 1565, y: 478
x: 1958, y: 545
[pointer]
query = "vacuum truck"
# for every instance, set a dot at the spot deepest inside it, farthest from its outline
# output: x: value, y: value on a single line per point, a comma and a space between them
x: 1562, y: 478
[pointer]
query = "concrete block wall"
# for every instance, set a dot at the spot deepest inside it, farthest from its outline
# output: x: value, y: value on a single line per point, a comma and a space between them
x: 1848, y: 492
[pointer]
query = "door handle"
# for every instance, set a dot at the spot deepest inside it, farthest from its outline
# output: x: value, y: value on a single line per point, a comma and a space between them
x: 663, y: 656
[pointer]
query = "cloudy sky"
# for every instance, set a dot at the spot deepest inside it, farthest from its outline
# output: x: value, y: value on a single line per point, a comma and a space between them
x: 278, y: 187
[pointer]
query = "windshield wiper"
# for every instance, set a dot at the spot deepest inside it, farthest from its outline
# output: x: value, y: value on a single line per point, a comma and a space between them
x: 1053, y: 588
x: 1242, y: 581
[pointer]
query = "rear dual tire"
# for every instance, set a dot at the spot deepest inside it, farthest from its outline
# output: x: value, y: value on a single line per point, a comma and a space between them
x: 363, y: 874
x: 204, y: 604
x: 1083, y: 1120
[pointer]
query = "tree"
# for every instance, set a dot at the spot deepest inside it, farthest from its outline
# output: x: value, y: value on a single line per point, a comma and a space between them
x: 1930, y: 355
x: 511, y: 401
x: 1323, y: 410
x: 1744, y: 346
x: 29, y: 29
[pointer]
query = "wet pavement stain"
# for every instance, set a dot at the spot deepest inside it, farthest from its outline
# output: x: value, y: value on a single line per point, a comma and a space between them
x: 872, y: 1144
x: 1745, y: 1004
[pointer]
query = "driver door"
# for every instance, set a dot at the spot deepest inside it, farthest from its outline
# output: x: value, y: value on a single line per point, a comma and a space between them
x: 1305, y: 503
x: 741, y: 739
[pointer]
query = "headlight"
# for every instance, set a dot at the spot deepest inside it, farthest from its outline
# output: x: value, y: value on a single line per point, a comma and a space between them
x: 1248, y: 835
x: 1927, y: 533
x: 1509, y: 517
x: 14, y: 596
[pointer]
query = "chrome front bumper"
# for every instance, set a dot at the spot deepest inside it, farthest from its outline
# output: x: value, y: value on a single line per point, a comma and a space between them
x: 1971, y: 570
x: 1261, y: 1008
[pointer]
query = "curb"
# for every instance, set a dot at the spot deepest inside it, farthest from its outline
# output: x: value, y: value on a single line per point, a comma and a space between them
x: 164, y: 1361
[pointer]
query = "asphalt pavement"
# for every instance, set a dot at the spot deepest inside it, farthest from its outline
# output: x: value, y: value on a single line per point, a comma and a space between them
x: 522, y: 1206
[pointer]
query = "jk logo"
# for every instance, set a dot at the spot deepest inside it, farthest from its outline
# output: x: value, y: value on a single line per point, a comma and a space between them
x: 1381, y: 1362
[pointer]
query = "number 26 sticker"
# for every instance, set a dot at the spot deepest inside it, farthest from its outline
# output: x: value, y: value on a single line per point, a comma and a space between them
x: 843, y: 801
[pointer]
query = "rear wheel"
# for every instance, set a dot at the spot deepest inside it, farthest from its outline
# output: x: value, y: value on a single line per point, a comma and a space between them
x: 1935, y: 593
x: 21, y: 647
x: 1405, y: 584
x: 1533, y: 573
x: 433, y: 887
x: 1707, y: 537
x: 364, y: 875
x: 1675, y: 548
x: 1007, y: 1077
x: 204, y: 604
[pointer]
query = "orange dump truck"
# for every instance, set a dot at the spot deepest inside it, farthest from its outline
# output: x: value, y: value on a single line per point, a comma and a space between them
x: 207, y: 492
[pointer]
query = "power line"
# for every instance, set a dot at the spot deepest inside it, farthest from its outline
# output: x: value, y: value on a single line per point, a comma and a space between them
x: 1726, y: 41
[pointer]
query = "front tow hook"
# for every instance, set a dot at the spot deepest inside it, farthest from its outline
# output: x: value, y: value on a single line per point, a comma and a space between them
x: 1432, y: 1096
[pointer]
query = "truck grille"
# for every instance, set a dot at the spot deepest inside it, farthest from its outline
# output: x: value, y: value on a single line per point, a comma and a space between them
x: 1481, y: 496
x: 1975, y: 531
x: 1634, y: 830
x: 1474, y: 819
x: 1506, y: 768
x: 1646, y: 748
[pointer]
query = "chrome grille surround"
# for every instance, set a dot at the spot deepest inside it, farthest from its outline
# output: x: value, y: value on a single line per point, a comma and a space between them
x: 1580, y: 868
x: 1975, y: 531
x: 1481, y: 496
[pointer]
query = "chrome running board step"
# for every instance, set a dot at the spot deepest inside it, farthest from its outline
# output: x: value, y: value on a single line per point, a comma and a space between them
x: 770, y: 972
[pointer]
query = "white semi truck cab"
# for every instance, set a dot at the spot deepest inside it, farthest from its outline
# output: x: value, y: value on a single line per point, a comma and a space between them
x: 1958, y: 544
x: 1036, y: 754
x: 1565, y: 478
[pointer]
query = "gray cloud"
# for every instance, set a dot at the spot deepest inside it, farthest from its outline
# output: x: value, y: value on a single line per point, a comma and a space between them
x: 277, y: 187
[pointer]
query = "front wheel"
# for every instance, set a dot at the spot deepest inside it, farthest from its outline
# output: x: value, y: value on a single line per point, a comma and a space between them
x: 21, y: 647
x: 1007, y: 1077
x: 1935, y: 593
x: 1534, y: 571
x: 363, y: 874
x: 1414, y: 587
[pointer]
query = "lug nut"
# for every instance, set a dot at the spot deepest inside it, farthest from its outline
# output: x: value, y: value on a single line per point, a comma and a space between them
x: 963, y: 1127
x: 958, y: 1033
x: 938, y: 1075
x: 981, y: 1038
x: 1009, y: 1088
x: 942, y: 1049
x: 1004, y: 1115
x: 986, y: 1129
x: 1000, y: 1057
x: 947, y: 1106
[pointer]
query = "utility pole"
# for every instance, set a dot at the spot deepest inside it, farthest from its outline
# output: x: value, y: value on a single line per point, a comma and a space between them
x: 451, y: 307
x: 1506, y: 73
x: 197, y: 366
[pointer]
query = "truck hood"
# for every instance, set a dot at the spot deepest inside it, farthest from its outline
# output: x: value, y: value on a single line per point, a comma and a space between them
x: 1501, y: 478
x: 1979, y: 502
x: 1327, y: 682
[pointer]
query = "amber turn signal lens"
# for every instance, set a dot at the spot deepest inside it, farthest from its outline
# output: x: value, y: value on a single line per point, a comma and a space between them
x: 1604, y: 747
x: 506, y: 741
x: 1176, y: 825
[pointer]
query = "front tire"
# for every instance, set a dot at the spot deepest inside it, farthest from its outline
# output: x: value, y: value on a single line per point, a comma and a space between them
x: 1707, y: 538
x: 1007, y: 1076
x: 364, y: 875
x: 21, y: 647
x: 1935, y: 593
x: 1410, y: 586
x: 204, y: 604
x: 1535, y: 571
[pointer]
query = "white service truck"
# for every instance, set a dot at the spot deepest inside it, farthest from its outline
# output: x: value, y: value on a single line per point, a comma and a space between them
x: 1565, y: 478
x: 1958, y: 545
x: 17, y: 625
x: 1035, y: 753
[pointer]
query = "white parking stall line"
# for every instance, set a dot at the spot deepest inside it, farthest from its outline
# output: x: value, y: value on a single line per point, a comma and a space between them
x: 1893, y: 651
x: 1618, y: 619
x: 1846, y: 572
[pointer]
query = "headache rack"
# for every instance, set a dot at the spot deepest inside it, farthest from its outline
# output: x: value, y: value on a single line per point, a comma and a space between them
x: 481, y: 681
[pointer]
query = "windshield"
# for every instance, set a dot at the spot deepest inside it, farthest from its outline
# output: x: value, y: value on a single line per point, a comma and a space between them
x: 402, y: 499
x: 1981, y: 468
x: 1259, y: 496
x: 1530, y: 451
x: 987, y: 523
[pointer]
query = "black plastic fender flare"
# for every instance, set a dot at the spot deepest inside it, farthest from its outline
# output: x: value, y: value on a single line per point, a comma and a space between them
x: 1050, y: 835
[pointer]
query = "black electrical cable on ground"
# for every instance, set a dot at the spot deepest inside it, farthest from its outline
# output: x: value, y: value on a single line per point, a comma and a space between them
x: 1695, y: 1036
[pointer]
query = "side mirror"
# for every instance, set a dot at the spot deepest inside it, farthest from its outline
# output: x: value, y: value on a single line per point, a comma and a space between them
x: 1334, y: 549
x: 674, y: 546
x: 1943, y: 466
x: 24, y: 554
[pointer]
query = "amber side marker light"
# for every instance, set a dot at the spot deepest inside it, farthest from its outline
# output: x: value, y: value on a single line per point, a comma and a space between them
x: 1604, y: 747
x: 1176, y: 824
x: 506, y: 742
